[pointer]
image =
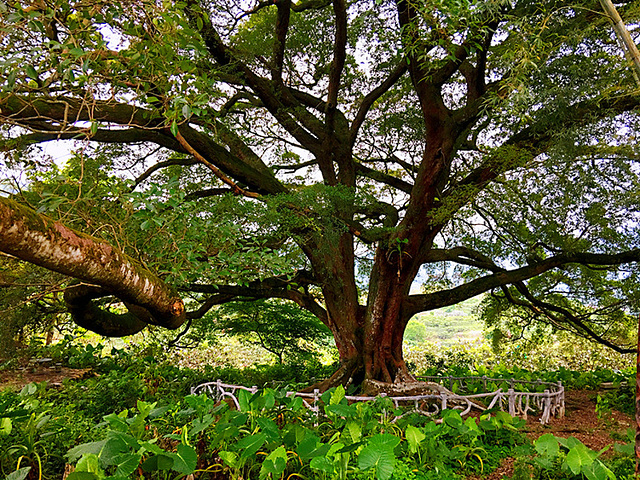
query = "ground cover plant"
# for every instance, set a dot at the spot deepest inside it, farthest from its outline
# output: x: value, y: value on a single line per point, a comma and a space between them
x: 365, y: 160
x: 152, y: 428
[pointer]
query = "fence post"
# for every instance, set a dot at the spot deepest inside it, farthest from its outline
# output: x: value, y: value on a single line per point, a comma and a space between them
x: 546, y: 413
x: 561, y: 399
x: 512, y: 402
x: 444, y: 401
x: 484, y: 383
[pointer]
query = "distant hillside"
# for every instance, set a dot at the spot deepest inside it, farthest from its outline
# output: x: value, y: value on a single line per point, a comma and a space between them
x: 446, y: 325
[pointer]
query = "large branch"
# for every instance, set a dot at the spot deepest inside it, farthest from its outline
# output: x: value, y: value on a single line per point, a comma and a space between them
x: 444, y: 298
x: 274, y: 287
x: 305, y: 128
x: 42, y: 241
x: 526, y: 145
x: 371, y: 97
x: 551, y: 311
x: 57, y: 116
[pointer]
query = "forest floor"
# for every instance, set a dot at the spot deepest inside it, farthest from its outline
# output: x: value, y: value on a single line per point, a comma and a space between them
x: 580, y: 420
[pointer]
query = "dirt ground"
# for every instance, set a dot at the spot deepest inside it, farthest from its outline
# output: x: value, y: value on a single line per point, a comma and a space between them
x: 580, y: 421
x: 16, y: 379
x: 580, y: 418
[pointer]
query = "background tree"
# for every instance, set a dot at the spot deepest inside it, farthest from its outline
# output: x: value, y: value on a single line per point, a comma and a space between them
x: 334, y: 154
x: 279, y: 327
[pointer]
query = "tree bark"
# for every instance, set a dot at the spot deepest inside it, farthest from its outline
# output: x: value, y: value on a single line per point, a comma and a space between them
x: 42, y: 241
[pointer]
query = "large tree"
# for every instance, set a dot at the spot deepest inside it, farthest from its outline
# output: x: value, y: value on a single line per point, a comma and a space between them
x: 333, y: 153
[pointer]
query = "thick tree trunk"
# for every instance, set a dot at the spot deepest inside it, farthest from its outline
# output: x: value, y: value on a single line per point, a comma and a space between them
x: 39, y: 240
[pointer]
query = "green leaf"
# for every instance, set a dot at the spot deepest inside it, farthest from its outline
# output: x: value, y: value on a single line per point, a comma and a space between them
x: 90, y: 463
x: 323, y: 464
x: 185, y: 460
x: 174, y: 128
x: 355, y: 431
x: 380, y: 458
x: 18, y: 474
x: 598, y: 471
x: 384, y: 440
x: 547, y: 445
x: 275, y: 463
x: 116, y: 422
x: 414, y: 437
x: 158, y: 462
x: 85, y: 449
x: 250, y: 445
x: 244, y: 400
x: 31, y: 72
x: 230, y: 458
x: 82, y: 476
x: 113, y: 448
x: 341, y: 410
x: 337, y: 395
x: 625, y: 449
x: 579, y: 457
x: 5, y: 426
x: 126, y: 464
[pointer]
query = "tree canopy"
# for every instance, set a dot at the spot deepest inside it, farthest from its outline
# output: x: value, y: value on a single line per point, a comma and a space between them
x: 367, y: 160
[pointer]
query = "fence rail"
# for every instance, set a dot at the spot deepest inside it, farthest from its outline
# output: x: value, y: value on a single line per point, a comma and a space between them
x: 549, y: 403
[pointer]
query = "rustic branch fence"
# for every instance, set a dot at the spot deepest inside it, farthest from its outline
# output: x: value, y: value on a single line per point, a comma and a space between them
x: 517, y: 403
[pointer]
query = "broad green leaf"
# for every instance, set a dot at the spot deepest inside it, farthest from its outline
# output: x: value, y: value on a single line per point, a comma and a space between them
x: 157, y: 462
x: 578, y: 458
x: 200, y: 424
x: 323, y: 464
x: 126, y: 464
x: 355, y: 431
x: 82, y: 476
x: 414, y: 437
x: 547, y: 445
x: 337, y: 395
x: 90, y: 463
x: 5, y: 426
x: 244, y: 400
x: 250, y: 445
x: 85, y: 449
x: 598, y: 471
x: 185, y: 460
x: 230, y: 458
x: 380, y: 458
x: 20, y: 474
x: 113, y: 448
x: 341, y: 410
x: 274, y: 464
x: 116, y: 422
x: 384, y: 440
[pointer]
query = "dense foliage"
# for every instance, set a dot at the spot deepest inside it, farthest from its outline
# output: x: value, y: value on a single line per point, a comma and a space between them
x: 331, y: 153
x: 135, y: 421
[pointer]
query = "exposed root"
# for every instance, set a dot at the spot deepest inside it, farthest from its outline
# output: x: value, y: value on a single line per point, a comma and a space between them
x: 349, y: 373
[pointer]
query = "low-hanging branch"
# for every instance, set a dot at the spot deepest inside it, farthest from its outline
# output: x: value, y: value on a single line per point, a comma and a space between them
x: 42, y: 241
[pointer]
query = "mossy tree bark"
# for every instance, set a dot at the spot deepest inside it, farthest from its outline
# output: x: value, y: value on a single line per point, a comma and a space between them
x: 107, y: 271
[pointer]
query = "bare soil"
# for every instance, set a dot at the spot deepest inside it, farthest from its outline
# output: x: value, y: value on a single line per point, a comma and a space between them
x: 580, y: 421
x: 18, y: 378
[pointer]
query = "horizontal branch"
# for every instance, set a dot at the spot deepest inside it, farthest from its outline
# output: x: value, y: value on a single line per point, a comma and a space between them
x: 444, y: 298
x: 42, y: 241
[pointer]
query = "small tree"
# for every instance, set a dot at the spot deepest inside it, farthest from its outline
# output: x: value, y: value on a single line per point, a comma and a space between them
x: 281, y: 328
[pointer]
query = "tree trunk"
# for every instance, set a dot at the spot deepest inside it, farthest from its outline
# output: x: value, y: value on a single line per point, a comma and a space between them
x: 39, y: 240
